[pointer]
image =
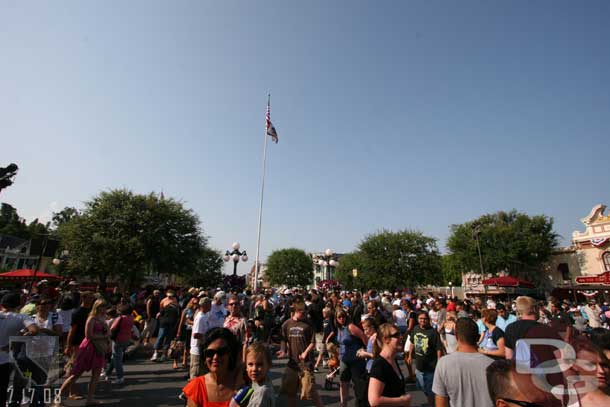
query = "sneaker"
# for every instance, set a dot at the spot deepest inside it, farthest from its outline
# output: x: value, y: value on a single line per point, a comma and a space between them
x: 154, y: 357
x: 120, y: 381
x: 161, y: 359
x: 316, y: 370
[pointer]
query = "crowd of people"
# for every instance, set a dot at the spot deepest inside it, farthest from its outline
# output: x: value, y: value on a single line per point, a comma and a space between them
x: 474, y: 352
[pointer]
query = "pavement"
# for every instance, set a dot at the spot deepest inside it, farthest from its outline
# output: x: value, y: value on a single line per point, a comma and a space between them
x: 157, y: 384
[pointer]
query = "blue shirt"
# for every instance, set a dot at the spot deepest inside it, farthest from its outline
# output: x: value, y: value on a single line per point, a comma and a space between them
x: 503, y: 323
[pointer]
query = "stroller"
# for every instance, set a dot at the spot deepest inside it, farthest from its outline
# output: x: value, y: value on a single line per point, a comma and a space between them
x: 333, y: 366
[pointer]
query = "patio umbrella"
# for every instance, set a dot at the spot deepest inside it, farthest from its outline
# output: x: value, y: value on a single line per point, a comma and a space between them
x: 27, y: 274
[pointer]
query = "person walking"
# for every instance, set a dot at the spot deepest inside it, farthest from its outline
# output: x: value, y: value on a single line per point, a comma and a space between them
x: 425, y: 351
x: 459, y: 377
x: 386, y: 382
x: 92, y: 350
x: 121, y: 329
x: 350, y: 339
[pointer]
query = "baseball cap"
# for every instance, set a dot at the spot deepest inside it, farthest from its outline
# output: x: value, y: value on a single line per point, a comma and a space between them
x: 204, y: 301
x: 219, y: 294
x: 43, y: 282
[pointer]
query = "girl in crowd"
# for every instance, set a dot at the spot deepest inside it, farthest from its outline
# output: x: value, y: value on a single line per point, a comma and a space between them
x: 493, y: 339
x: 260, y: 393
x: 350, y: 338
x: 386, y: 383
x: 448, y: 332
x: 216, y: 388
x: 122, y: 327
x: 185, y: 329
x: 369, y: 326
x: 92, y: 350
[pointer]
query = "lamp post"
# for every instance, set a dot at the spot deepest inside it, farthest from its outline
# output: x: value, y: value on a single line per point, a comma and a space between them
x: 476, y: 231
x: 355, y: 275
x: 451, y: 288
x: 326, y: 260
x: 235, y: 256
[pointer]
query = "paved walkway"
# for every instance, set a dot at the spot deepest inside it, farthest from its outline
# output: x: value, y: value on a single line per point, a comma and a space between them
x: 157, y: 384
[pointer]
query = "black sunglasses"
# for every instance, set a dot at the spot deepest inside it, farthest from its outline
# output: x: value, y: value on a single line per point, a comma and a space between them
x: 521, y: 403
x: 395, y: 335
x: 210, y: 353
x: 232, y: 303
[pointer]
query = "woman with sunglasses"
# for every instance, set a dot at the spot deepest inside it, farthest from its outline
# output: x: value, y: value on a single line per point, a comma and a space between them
x: 217, y: 387
x: 386, y: 382
x: 350, y: 339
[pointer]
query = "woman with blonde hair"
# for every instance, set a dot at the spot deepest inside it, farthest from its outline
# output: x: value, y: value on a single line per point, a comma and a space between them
x: 92, y: 351
x: 386, y: 383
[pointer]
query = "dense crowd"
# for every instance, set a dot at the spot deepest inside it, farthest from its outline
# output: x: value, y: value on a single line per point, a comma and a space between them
x: 474, y: 352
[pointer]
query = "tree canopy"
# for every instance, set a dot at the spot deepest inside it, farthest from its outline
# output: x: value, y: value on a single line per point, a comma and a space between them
x: 290, y: 267
x: 388, y: 260
x: 12, y: 224
x: 126, y: 235
x: 510, y: 241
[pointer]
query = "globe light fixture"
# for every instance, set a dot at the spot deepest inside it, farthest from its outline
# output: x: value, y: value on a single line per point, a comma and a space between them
x: 235, y: 256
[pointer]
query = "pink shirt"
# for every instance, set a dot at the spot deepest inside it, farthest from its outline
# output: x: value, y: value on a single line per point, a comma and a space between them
x: 125, y: 329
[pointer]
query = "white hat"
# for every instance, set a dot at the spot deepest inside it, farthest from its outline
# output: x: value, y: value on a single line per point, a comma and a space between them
x: 396, y: 302
x: 219, y: 294
x: 287, y: 292
x: 43, y: 282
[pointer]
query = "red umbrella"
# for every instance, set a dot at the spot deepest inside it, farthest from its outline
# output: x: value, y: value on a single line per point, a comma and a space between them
x: 508, y: 281
x: 27, y: 274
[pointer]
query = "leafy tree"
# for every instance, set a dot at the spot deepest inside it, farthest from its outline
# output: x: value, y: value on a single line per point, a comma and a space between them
x: 344, y: 271
x: 510, y: 241
x: 11, y: 223
x: 399, y: 259
x: 123, y: 234
x: 452, y: 271
x: 208, y: 271
x: 291, y: 267
x: 64, y: 216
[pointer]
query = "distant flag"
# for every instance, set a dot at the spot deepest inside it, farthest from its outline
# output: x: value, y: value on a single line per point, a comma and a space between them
x: 269, y: 126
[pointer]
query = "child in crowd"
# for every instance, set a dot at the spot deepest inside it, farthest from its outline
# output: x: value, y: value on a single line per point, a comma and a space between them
x: 260, y: 393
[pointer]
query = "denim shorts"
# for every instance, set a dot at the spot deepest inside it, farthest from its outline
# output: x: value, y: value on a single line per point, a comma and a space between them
x: 424, y: 381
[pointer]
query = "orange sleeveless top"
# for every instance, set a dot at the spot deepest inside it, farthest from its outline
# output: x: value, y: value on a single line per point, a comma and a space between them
x: 196, y: 391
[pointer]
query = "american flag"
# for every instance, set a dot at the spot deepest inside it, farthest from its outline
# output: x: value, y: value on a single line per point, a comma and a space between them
x: 269, y: 126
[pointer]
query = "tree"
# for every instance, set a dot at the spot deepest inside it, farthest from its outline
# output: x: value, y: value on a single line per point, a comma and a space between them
x: 11, y: 223
x: 399, y: 259
x: 510, y: 241
x: 64, y: 216
x: 452, y: 272
x: 208, y: 271
x: 290, y: 267
x: 126, y: 235
x: 344, y: 271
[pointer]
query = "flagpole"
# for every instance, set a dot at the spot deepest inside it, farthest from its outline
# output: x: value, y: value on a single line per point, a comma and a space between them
x: 260, y: 208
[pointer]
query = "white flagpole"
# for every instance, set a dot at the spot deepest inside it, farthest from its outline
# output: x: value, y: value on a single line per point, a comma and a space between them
x: 260, y: 209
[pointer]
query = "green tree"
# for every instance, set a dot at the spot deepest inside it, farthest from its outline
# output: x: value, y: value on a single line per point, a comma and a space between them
x: 510, y: 241
x: 399, y: 259
x: 126, y: 235
x: 11, y: 223
x: 344, y: 271
x: 452, y: 271
x: 291, y: 267
x: 208, y: 271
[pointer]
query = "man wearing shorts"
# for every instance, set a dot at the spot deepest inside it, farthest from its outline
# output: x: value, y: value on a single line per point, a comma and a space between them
x: 298, y: 341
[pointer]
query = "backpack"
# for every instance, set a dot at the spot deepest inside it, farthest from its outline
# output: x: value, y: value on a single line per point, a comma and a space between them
x: 114, y: 332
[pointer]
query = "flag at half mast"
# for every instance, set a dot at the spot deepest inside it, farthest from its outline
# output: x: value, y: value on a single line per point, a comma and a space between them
x: 269, y: 126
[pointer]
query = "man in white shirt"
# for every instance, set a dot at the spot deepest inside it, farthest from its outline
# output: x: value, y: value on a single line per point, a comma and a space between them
x: 200, y: 327
x: 11, y: 324
x: 218, y: 312
x: 593, y: 312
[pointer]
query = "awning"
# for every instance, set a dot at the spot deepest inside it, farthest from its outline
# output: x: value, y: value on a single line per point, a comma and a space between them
x: 27, y: 274
x: 508, y: 281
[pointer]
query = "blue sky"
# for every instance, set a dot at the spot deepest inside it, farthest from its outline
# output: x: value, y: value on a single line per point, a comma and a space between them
x: 414, y: 114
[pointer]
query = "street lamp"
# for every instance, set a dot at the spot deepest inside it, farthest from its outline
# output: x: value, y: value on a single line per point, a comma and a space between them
x: 326, y: 260
x: 235, y: 256
x: 451, y: 288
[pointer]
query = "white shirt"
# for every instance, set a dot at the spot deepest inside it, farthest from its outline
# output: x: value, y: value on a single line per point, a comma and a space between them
x: 217, y: 314
x: 50, y: 322
x: 11, y: 324
x: 400, y: 317
x: 200, y: 326
x: 66, y: 317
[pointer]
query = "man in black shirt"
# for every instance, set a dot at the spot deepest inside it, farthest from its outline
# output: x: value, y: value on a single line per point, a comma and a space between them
x: 426, y: 349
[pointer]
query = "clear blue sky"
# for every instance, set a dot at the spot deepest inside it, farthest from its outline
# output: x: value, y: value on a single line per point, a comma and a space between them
x: 413, y: 114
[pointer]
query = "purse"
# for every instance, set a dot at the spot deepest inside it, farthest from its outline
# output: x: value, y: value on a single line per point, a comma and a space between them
x: 101, y: 345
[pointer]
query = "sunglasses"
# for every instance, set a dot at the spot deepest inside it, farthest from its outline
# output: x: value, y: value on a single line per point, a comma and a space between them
x: 395, y: 335
x: 521, y: 403
x: 210, y: 353
x: 232, y: 304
